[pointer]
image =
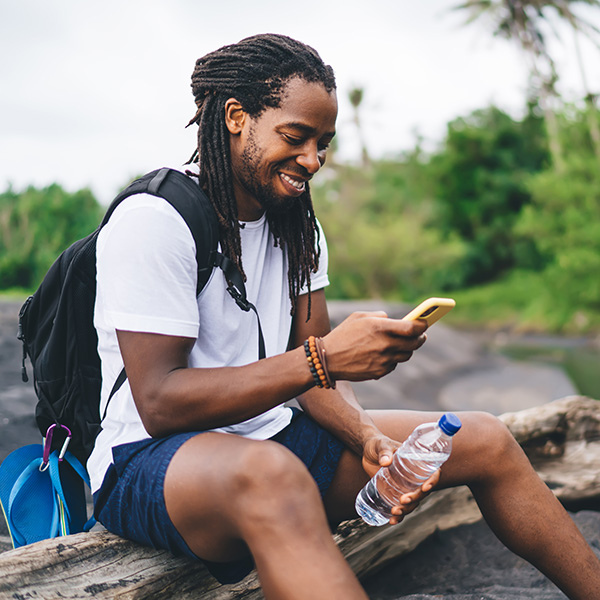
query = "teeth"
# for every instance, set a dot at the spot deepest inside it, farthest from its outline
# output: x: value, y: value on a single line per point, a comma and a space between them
x: 299, y: 185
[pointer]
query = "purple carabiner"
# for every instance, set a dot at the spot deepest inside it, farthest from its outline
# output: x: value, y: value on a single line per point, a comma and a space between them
x: 48, y: 442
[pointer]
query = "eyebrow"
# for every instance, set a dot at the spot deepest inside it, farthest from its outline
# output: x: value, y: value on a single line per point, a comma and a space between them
x: 307, y: 129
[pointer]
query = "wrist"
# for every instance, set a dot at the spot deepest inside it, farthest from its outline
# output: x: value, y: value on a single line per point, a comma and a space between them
x: 316, y: 357
x: 368, y: 433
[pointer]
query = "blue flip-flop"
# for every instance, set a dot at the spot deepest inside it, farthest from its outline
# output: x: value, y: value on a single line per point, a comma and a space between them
x: 42, y: 494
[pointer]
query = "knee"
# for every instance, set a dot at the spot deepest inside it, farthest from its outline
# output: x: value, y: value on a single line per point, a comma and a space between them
x: 270, y: 482
x: 490, y: 439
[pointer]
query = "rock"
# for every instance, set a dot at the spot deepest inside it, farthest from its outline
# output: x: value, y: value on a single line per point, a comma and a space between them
x: 469, y: 563
x: 101, y: 565
x: 456, y: 370
x: 562, y: 440
x: 506, y: 386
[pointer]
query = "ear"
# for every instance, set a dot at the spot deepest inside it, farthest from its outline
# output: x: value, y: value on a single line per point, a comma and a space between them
x: 235, y: 116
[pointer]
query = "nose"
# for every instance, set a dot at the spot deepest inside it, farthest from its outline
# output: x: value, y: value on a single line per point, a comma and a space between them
x: 311, y: 159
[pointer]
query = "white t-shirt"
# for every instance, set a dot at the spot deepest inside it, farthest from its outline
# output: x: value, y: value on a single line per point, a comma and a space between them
x: 146, y: 282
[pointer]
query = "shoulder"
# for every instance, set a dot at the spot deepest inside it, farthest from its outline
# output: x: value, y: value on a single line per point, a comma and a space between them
x: 144, y: 218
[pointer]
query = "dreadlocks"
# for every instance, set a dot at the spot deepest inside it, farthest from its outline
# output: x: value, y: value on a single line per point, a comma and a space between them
x: 255, y: 72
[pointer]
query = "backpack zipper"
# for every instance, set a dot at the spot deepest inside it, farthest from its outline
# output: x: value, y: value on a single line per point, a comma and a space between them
x: 21, y: 337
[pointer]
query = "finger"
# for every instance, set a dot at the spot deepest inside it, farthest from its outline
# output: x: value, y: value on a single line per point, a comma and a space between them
x: 431, y: 482
x: 404, y: 511
x: 386, y: 452
x: 366, y: 314
x: 411, y: 498
x: 394, y: 520
x: 408, y: 347
x: 408, y: 328
x: 371, y: 453
x: 403, y: 356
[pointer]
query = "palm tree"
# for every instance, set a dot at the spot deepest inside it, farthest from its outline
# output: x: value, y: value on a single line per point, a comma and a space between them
x: 355, y: 95
x: 589, y: 30
x: 523, y: 21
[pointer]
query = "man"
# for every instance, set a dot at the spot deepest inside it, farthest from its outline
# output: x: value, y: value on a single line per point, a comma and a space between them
x: 197, y: 452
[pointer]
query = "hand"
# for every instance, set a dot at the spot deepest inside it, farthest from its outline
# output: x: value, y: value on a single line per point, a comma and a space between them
x: 370, y: 345
x: 377, y: 453
x: 410, y: 501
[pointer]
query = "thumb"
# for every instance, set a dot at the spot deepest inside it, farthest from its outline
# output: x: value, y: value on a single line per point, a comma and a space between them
x: 386, y: 453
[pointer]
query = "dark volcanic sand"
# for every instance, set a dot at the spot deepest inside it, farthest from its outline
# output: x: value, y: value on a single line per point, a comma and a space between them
x: 466, y: 563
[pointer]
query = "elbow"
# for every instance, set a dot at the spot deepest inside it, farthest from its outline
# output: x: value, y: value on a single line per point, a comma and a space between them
x: 163, y: 415
x: 158, y: 420
x: 155, y: 423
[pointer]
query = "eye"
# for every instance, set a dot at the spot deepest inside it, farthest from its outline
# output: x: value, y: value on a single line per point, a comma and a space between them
x: 292, y: 139
x: 323, y: 147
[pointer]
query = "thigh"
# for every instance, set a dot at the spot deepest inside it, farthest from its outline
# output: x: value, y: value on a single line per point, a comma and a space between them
x: 220, y: 487
x: 151, y: 479
x: 466, y: 465
x: 198, y: 495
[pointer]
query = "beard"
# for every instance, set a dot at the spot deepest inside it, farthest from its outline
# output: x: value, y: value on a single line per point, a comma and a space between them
x: 264, y: 193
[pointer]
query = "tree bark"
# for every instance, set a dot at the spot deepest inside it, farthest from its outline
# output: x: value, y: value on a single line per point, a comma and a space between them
x: 562, y: 439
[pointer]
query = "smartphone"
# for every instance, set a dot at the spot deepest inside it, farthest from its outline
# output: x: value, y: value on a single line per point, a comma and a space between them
x: 431, y: 310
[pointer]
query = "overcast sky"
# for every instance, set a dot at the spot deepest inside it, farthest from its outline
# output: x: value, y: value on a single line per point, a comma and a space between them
x: 93, y: 93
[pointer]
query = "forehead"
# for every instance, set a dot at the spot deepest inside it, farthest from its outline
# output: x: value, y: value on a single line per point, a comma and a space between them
x: 304, y: 103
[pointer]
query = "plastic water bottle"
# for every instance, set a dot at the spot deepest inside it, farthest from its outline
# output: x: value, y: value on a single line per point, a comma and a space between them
x: 425, y: 450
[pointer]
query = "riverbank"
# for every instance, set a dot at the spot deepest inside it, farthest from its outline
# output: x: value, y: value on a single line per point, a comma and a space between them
x: 454, y: 370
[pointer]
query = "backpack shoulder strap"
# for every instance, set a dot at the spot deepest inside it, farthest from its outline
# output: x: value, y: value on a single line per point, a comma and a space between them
x: 188, y: 198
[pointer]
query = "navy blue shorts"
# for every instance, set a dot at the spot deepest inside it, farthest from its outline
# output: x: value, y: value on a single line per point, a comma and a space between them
x: 131, y: 504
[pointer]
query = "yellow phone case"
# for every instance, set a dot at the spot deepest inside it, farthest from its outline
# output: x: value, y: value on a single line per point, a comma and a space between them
x: 431, y: 310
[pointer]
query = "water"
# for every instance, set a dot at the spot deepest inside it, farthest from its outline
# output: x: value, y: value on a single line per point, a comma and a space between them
x: 371, y: 507
x: 409, y: 469
x: 578, y: 357
x: 423, y: 453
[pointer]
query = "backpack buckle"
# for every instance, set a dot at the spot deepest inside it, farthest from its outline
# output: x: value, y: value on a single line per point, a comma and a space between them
x: 48, y: 444
x: 240, y: 299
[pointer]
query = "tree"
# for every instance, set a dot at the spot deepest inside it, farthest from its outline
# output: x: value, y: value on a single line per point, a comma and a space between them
x: 520, y: 21
x: 564, y: 220
x: 380, y: 244
x: 356, y: 97
x: 524, y: 22
x: 479, y: 178
x: 580, y: 25
x: 36, y: 225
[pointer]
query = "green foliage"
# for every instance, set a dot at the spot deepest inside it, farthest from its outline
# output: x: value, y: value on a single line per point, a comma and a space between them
x: 36, y: 225
x: 564, y: 219
x: 485, y: 220
x: 522, y: 300
x: 480, y: 177
x: 379, y: 242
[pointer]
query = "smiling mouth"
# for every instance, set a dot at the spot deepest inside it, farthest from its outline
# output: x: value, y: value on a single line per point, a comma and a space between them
x: 299, y: 185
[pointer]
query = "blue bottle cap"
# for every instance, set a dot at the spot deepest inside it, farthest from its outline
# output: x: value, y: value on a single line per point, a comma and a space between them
x: 449, y: 423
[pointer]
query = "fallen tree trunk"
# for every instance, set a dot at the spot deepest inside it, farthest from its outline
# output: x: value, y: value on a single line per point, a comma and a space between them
x: 562, y: 439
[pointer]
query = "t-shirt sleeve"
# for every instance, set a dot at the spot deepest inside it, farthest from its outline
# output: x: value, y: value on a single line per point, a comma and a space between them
x: 146, y: 269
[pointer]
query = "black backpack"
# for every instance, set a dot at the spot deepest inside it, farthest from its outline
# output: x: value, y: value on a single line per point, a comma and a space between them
x: 56, y: 324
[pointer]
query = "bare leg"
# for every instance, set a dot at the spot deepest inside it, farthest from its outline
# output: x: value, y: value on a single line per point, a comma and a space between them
x: 246, y: 494
x: 514, y: 501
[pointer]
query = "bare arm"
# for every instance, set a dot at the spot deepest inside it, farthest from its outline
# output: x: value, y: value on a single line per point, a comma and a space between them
x: 338, y: 410
x: 374, y: 345
x: 172, y: 397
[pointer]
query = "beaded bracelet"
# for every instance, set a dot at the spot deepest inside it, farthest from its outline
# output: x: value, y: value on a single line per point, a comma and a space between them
x: 323, y: 358
x: 315, y: 355
x: 313, y: 362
